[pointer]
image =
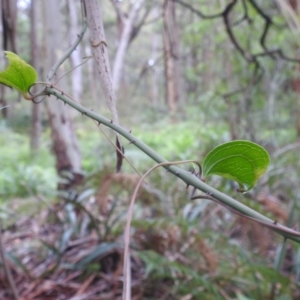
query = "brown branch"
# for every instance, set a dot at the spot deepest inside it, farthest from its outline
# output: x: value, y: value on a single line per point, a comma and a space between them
x: 198, y: 12
x: 277, y: 53
x: 268, y: 23
x: 230, y: 33
x: 245, y: 17
x: 119, y: 12
x: 136, y: 28
x: 249, y: 57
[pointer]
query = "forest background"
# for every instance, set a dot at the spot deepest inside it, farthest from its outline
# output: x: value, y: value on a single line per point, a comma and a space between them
x: 188, y: 76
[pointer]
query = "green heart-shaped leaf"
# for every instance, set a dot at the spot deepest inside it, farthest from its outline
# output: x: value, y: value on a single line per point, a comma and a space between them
x: 242, y: 161
x: 18, y: 74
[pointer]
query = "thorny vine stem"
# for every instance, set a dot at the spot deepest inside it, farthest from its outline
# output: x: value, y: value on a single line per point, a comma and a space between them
x: 187, y: 177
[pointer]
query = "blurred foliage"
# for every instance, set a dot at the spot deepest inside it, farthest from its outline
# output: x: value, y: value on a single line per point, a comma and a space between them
x: 181, y: 249
x: 23, y: 174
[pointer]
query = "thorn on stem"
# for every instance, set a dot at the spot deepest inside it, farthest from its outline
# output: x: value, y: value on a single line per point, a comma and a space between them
x: 99, y: 123
x: 111, y: 121
x: 275, y: 222
x: 130, y: 131
x: 187, y: 186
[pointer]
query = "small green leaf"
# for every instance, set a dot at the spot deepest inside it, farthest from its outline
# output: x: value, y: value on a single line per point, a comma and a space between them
x: 18, y: 74
x: 242, y: 161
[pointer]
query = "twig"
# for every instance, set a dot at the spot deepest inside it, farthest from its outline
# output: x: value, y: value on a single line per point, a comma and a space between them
x: 120, y: 152
x: 6, y: 267
x: 68, y: 53
x: 249, y: 57
x: 198, y: 12
x: 72, y: 70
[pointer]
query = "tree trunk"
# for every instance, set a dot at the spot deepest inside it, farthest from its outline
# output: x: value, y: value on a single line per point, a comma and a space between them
x: 171, y: 52
x: 9, y: 25
x: 36, y: 108
x: 76, y: 55
x: 65, y: 145
x: 155, y: 48
x: 100, y: 54
x: 296, y: 81
x: 123, y: 44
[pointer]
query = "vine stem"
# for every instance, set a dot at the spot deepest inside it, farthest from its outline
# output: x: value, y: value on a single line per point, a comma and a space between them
x: 126, y: 265
x: 187, y: 177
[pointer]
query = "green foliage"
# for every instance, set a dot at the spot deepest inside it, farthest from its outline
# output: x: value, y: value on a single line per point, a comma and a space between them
x: 21, y: 174
x: 18, y: 74
x: 242, y: 161
x: 176, y: 141
x: 160, y: 267
x: 167, y: 218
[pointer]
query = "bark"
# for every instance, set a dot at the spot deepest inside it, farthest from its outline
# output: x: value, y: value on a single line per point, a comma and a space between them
x: 124, y: 42
x: 75, y: 58
x: 154, y: 73
x: 293, y: 9
x: 9, y: 25
x: 296, y: 89
x: 36, y: 108
x: 120, y: 17
x: 100, y: 54
x: 171, y: 52
x: 65, y: 145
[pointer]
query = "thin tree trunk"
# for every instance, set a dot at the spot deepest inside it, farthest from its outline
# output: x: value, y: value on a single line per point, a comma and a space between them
x: 36, y: 108
x: 295, y: 7
x: 123, y: 44
x: 100, y: 54
x: 154, y: 73
x: 170, y: 35
x: 65, y: 145
x: 9, y: 25
x: 75, y: 58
